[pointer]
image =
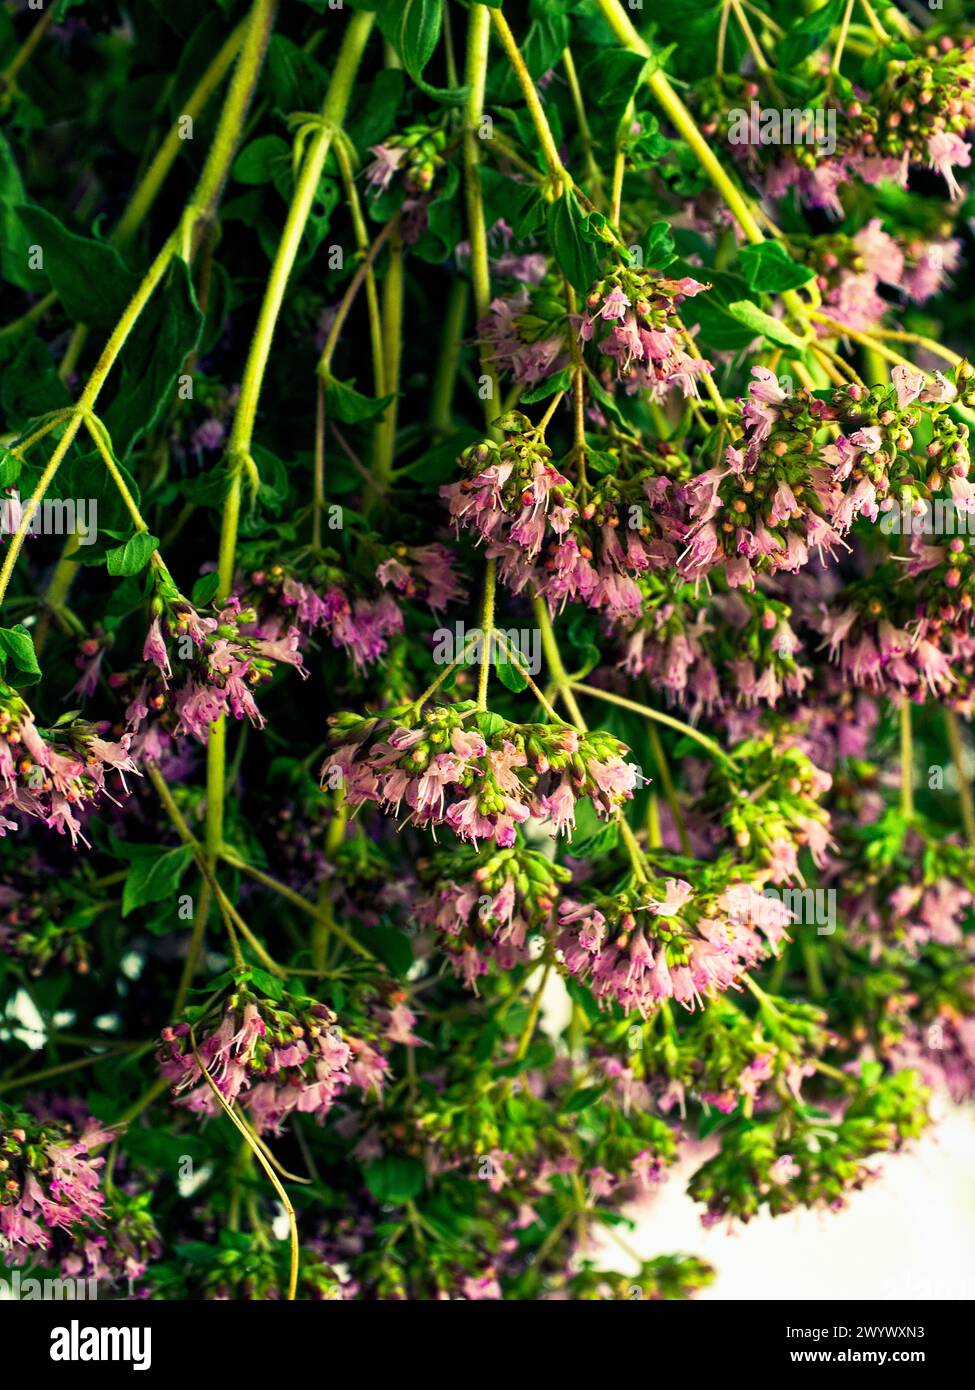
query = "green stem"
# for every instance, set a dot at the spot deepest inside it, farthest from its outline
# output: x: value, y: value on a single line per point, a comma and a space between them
x: 553, y: 660
x: 670, y: 791
x: 362, y: 242
x: 834, y: 66
x: 306, y: 189
x: 150, y: 185
x: 384, y: 438
x: 907, y: 762
x: 539, y: 120
x: 658, y: 716
x: 487, y: 629
x: 204, y: 199
x: 478, y: 40
x: 333, y: 112
x: 619, y: 21
x: 194, y: 948
x: 448, y: 358
x: 814, y: 972
x: 26, y: 49
x: 964, y: 785
x: 291, y: 896
x: 585, y: 134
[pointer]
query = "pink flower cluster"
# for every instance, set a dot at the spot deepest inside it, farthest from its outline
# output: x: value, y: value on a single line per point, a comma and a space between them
x: 274, y: 1059
x: 422, y: 571
x: 633, y: 321
x: 439, y: 770
x: 549, y: 543
x: 637, y: 949
x: 226, y: 659
x: 50, y: 1181
x: 51, y: 776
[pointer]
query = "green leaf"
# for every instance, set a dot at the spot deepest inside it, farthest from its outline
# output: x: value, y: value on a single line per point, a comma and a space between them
x: 808, y: 34
x: 608, y: 80
x: 29, y: 382
x: 394, y: 1179
x: 558, y: 381
x: 769, y: 269
x: 14, y: 241
x: 488, y: 723
x: 349, y: 405
x: 10, y: 466
x: 17, y: 645
x: 261, y: 159
x: 133, y: 556
x: 508, y: 673
x: 156, y: 1148
x: 583, y: 1099
x: 205, y: 589
x: 763, y: 324
x: 413, y: 28
x: 267, y: 983
x: 572, y: 247
x: 153, y: 358
x: 658, y: 248
x: 154, y: 874
x: 438, y: 464
x: 93, y: 281
x: 391, y: 946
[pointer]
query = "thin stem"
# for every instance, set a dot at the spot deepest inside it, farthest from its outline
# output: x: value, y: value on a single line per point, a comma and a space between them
x: 553, y: 659
x: 540, y: 121
x: 100, y: 437
x: 194, y: 948
x: 878, y: 29
x: 478, y: 38
x: 149, y: 186
x: 622, y: 26
x: 754, y: 47
x: 306, y: 188
x: 670, y: 791
x: 262, y: 1160
x: 964, y: 784
x: 550, y: 410
x: 907, y: 762
x: 357, y: 31
x: 897, y: 336
x: 633, y: 848
x: 713, y: 748
x: 814, y: 971
x: 204, y: 199
x: 722, y: 36
x: 532, y: 686
x: 384, y: 438
x: 30, y: 1078
x: 528, y: 1032
x: 585, y: 134
x: 619, y: 164
x: 487, y: 628
x: 448, y: 357
x: 341, y: 150
x: 834, y: 66
x: 26, y: 49
x: 291, y: 896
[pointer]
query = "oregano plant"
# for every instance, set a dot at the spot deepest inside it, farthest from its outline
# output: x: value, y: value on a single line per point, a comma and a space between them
x: 487, y: 637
